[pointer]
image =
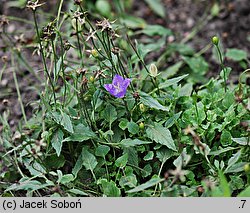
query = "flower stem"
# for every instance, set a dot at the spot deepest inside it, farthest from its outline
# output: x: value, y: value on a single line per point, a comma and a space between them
x: 222, y: 67
x: 79, y: 44
x: 43, y: 57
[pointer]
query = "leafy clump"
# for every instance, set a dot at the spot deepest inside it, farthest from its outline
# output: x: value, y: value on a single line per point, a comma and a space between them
x: 148, y: 133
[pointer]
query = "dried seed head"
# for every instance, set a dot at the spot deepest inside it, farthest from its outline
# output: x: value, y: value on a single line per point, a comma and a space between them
x: 4, y: 59
x: 34, y: 5
x: 200, y: 189
x: 115, y: 50
x: 78, y: 15
x: 91, y: 35
x: 81, y: 71
x: 78, y: 2
x: 67, y: 45
x: 104, y: 25
x: 4, y: 21
x: 48, y: 32
x: 20, y: 39
x: 5, y: 102
x: 136, y: 96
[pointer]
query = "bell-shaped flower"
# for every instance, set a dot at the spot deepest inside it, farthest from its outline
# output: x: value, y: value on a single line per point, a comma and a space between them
x: 119, y: 86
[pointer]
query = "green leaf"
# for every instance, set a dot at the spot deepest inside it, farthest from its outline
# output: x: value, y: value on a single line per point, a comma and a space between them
x: 81, y: 133
x: 78, y: 192
x: 225, y: 138
x: 109, y: 188
x: 133, y: 142
x: 103, y: 7
x: 147, y: 170
x: 121, y: 161
x: 171, y: 81
x: 245, y: 193
x: 66, y: 179
x: 78, y: 165
x: 34, y: 167
x: 221, y: 150
x: 152, y: 182
x: 57, y: 141
x: 151, y: 102
x: 54, y: 162
x: 133, y: 128
x: 161, y: 135
x: 170, y: 122
x: 88, y: 160
x: 236, y: 54
x: 152, y: 30
x: 227, y: 71
x: 133, y: 22
x: 102, y: 150
x: 224, y: 185
x: 96, y: 101
x: 242, y: 141
x: 85, y: 159
x: 237, y: 167
x: 157, y: 7
x: 110, y: 114
x: 123, y: 123
x: 129, y: 181
x: 229, y: 99
x: 171, y: 70
x: 215, y: 10
x: 186, y: 90
x: 66, y: 122
x: 133, y: 158
x: 164, y: 154
x: 149, y: 156
x: 233, y: 160
x: 29, y: 185
x: 197, y: 64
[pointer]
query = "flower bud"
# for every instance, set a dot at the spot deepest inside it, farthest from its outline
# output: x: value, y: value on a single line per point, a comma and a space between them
x: 91, y: 79
x: 141, y: 125
x: 94, y: 53
x: 153, y: 70
x: 247, y: 167
x: 142, y: 107
x: 215, y: 40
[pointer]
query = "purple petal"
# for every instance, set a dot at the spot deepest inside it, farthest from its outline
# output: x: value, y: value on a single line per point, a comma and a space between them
x: 109, y: 87
x: 121, y: 94
x: 117, y: 80
x: 125, y: 83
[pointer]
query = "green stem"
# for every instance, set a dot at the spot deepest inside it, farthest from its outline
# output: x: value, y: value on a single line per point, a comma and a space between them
x: 55, y: 61
x: 222, y: 67
x: 43, y: 57
x: 2, y: 70
x: 18, y: 91
x: 78, y: 42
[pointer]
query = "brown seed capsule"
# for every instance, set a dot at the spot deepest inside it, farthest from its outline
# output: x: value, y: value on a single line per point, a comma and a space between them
x: 78, y: 2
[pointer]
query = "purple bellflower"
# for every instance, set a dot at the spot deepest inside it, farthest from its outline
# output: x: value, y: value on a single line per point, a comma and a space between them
x: 119, y: 86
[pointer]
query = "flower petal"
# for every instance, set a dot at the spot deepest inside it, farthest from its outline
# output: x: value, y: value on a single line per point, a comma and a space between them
x: 109, y: 87
x: 125, y: 83
x: 120, y: 94
x: 117, y: 80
